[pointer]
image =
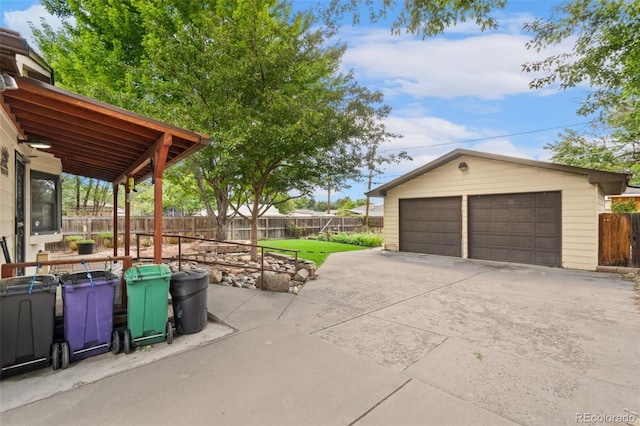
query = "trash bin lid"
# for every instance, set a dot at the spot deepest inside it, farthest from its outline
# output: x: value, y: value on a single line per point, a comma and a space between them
x: 98, y: 277
x: 147, y: 272
x: 188, y: 282
x: 21, y: 285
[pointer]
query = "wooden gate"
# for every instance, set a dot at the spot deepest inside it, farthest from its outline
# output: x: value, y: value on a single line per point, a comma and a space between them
x: 619, y: 241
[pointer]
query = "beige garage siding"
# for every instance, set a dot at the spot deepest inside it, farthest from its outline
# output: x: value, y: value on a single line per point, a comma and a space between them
x: 580, y: 200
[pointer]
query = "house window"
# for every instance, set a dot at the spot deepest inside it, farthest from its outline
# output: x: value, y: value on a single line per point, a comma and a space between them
x: 46, y: 203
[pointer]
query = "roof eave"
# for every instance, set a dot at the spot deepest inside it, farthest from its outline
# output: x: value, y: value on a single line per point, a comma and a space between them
x: 611, y: 183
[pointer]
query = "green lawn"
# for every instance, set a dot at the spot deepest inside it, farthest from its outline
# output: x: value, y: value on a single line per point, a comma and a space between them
x: 316, y: 251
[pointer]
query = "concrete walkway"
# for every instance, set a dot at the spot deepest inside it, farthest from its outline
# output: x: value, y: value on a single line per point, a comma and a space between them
x: 379, y: 338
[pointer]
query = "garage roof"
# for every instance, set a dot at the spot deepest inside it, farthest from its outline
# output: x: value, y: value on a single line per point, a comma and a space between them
x: 611, y: 183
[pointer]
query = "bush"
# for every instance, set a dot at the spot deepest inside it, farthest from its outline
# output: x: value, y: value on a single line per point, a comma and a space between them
x: 366, y: 239
x: 107, y: 234
x: 627, y: 206
x: 296, y: 230
x: 74, y: 238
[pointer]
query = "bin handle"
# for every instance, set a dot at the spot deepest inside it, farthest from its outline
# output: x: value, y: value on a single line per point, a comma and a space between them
x: 33, y: 280
x: 140, y: 277
x: 88, y: 273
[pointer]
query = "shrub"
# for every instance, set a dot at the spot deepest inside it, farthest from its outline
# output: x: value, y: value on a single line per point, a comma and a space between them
x: 296, y: 230
x: 325, y: 236
x: 627, y: 206
x: 74, y: 238
x: 107, y: 234
x: 86, y: 241
x: 366, y: 239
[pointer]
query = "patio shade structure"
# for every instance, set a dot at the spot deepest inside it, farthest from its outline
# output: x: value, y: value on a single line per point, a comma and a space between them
x: 97, y: 140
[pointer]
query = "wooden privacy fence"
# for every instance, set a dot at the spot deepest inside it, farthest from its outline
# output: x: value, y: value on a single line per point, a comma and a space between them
x: 619, y: 240
x: 196, y: 226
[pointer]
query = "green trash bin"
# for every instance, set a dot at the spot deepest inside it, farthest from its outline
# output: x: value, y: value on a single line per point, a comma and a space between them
x: 147, y: 306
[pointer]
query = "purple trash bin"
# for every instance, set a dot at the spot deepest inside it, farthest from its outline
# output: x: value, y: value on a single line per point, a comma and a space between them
x: 88, y: 314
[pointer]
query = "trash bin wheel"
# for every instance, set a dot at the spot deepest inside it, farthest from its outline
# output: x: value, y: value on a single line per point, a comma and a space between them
x: 169, y: 333
x: 115, y: 342
x: 64, y: 349
x: 126, y: 341
x: 55, y: 356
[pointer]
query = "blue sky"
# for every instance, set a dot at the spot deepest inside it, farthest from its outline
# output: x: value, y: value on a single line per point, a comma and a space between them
x: 464, y: 89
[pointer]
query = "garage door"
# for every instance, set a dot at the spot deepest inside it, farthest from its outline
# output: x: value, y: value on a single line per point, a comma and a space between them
x: 431, y: 226
x: 522, y: 228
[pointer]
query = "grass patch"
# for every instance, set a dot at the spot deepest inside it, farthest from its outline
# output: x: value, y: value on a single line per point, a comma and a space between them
x: 314, y: 250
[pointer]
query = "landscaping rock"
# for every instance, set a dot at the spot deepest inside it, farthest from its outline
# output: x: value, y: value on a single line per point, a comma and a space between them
x: 274, y: 282
x: 301, y: 275
x: 215, y: 276
x: 238, y: 270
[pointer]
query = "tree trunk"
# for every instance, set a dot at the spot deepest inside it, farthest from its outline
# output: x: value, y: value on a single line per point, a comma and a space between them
x: 222, y: 229
x: 366, y: 213
x: 254, y: 236
x: 221, y: 218
x: 254, y: 229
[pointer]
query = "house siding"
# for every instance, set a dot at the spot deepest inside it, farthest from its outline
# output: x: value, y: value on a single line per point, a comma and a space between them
x: 38, y: 160
x: 7, y: 183
x: 581, y: 201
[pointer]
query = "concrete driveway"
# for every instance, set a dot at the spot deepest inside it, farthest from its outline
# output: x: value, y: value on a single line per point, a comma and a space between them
x: 532, y: 344
x: 384, y: 339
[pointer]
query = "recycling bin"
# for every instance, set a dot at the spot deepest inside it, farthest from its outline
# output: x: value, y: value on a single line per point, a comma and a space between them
x: 147, y: 306
x: 27, y: 315
x: 189, y: 299
x: 88, y: 315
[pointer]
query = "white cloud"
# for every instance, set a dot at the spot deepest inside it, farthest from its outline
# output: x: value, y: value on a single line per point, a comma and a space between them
x: 487, y: 66
x: 18, y: 20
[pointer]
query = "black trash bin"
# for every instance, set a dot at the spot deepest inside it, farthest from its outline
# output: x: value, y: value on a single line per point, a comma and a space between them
x: 27, y: 321
x: 189, y: 298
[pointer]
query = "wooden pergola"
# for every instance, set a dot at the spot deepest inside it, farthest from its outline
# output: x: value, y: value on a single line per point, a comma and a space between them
x: 97, y: 140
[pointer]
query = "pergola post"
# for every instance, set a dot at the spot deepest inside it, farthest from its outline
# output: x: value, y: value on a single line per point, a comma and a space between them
x: 159, y: 161
x: 115, y: 219
x: 127, y: 218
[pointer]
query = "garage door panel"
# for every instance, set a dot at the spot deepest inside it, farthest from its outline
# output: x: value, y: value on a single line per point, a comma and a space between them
x: 546, y: 214
x: 526, y: 228
x: 547, y: 228
x: 521, y: 214
x: 521, y: 242
x: 499, y: 253
x: 523, y: 228
x: 431, y: 225
x: 520, y: 256
x: 499, y: 227
x: 545, y: 243
x: 500, y: 214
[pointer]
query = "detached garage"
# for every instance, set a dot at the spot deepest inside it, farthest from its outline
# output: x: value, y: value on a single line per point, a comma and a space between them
x: 484, y: 206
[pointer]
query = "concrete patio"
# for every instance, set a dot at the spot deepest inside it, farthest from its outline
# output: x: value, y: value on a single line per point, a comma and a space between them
x: 378, y: 338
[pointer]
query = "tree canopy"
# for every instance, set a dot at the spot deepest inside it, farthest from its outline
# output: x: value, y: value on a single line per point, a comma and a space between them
x: 265, y: 83
x: 421, y: 18
x: 606, y: 57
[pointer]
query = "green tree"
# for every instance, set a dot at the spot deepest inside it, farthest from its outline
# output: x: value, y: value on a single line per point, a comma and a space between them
x: 606, y: 56
x: 628, y: 206
x: 593, y: 151
x: 265, y: 85
x: 304, y: 202
x: 590, y: 151
x: 100, y: 54
x: 320, y: 206
x: 423, y: 18
x: 84, y: 196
